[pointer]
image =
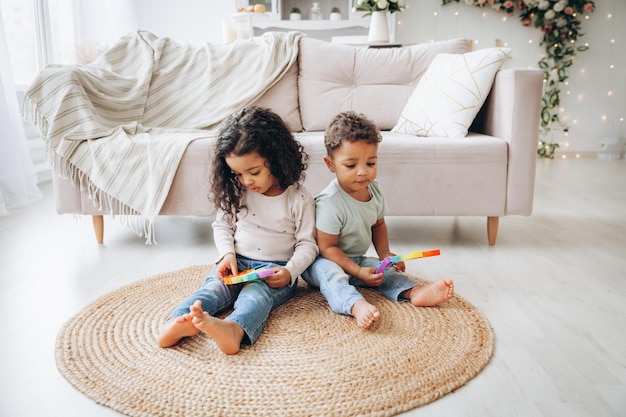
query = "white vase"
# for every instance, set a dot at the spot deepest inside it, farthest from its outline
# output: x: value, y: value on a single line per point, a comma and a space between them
x: 379, y: 28
x: 316, y: 11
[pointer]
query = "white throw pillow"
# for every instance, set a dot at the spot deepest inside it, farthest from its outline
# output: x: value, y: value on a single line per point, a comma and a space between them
x: 450, y: 94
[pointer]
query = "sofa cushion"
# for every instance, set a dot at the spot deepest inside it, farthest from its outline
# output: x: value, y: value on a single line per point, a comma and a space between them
x: 443, y: 176
x: 431, y: 176
x: 376, y: 82
x: 282, y: 99
x: 450, y: 94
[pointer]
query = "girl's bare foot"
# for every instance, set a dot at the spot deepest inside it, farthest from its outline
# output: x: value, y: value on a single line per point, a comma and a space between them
x: 175, y: 329
x: 364, y: 313
x: 227, y: 335
x: 431, y: 294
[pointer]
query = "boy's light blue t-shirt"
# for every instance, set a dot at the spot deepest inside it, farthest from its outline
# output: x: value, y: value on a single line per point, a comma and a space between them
x: 337, y: 213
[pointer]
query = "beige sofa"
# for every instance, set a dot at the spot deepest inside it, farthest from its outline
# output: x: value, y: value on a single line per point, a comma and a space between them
x: 489, y: 173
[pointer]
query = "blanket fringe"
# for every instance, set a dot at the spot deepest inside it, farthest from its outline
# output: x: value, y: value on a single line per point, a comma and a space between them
x: 130, y: 218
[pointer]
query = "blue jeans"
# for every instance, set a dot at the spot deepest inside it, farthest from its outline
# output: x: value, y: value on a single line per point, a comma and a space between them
x: 252, y: 301
x: 339, y: 288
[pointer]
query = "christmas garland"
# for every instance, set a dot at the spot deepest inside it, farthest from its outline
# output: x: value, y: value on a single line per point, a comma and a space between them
x: 560, y: 22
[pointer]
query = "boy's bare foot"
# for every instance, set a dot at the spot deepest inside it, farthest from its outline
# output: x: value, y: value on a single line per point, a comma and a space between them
x: 175, y: 329
x: 364, y: 313
x: 431, y: 294
x: 227, y: 335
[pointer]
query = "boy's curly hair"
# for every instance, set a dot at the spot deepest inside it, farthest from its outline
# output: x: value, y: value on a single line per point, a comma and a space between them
x: 254, y: 130
x: 350, y: 126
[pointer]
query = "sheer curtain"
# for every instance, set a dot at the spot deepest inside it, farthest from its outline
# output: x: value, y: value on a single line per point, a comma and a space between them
x: 18, y: 181
x: 98, y: 23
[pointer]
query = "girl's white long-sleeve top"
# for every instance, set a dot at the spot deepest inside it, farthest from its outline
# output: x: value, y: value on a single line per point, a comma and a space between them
x: 277, y: 228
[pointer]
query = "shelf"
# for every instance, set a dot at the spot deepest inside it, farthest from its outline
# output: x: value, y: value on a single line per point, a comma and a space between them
x: 276, y: 18
x: 309, y: 24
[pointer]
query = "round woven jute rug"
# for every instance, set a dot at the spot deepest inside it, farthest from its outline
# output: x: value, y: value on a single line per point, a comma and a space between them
x: 308, y: 361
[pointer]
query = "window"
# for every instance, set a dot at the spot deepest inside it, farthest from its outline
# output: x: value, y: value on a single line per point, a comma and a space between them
x: 38, y: 32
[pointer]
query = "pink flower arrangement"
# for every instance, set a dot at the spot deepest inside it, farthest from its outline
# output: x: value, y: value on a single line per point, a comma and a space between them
x: 544, y: 13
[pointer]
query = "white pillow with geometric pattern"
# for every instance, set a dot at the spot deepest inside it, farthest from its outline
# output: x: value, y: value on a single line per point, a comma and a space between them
x: 451, y: 92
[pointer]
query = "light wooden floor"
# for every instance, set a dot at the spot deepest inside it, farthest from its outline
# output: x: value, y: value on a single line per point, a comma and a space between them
x: 553, y: 288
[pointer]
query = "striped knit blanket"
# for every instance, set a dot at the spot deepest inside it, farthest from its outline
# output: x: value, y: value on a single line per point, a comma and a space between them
x: 118, y: 127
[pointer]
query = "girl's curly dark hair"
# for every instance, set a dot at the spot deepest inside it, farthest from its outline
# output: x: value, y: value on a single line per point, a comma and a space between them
x: 350, y: 126
x: 254, y: 129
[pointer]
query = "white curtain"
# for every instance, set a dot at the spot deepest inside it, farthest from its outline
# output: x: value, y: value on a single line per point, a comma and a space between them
x: 18, y: 181
x: 99, y: 23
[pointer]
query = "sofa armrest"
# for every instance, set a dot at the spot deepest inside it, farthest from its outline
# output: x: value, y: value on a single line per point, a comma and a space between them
x: 511, y: 112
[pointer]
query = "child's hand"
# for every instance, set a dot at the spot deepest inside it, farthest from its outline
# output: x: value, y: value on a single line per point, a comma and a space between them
x: 227, y: 266
x: 370, y: 277
x: 400, y: 266
x: 280, y: 279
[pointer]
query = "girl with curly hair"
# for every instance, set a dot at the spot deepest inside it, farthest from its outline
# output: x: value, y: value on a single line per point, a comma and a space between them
x: 265, y: 219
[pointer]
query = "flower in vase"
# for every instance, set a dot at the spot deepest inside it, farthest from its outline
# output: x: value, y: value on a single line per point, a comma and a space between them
x: 391, y: 6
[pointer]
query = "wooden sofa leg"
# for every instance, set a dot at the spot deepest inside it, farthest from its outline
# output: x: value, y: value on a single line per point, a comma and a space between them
x: 492, y: 229
x: 98, y: 227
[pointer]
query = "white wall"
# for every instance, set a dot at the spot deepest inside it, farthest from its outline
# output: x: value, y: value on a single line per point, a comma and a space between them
x: 185, y: 20
x: 586, y: 105
x: 104, y: 22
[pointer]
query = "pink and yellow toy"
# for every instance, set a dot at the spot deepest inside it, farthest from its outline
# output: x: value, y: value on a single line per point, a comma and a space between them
x: 391, y: 260
x: 248, y: 275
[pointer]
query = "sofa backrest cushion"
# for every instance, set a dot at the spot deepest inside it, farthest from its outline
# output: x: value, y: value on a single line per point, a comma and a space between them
x: 282, y: 99
x: 374, y: 81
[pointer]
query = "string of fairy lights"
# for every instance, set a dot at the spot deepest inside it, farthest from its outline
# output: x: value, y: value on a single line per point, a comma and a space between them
x: 582, y: 108
x: 608, y: 122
